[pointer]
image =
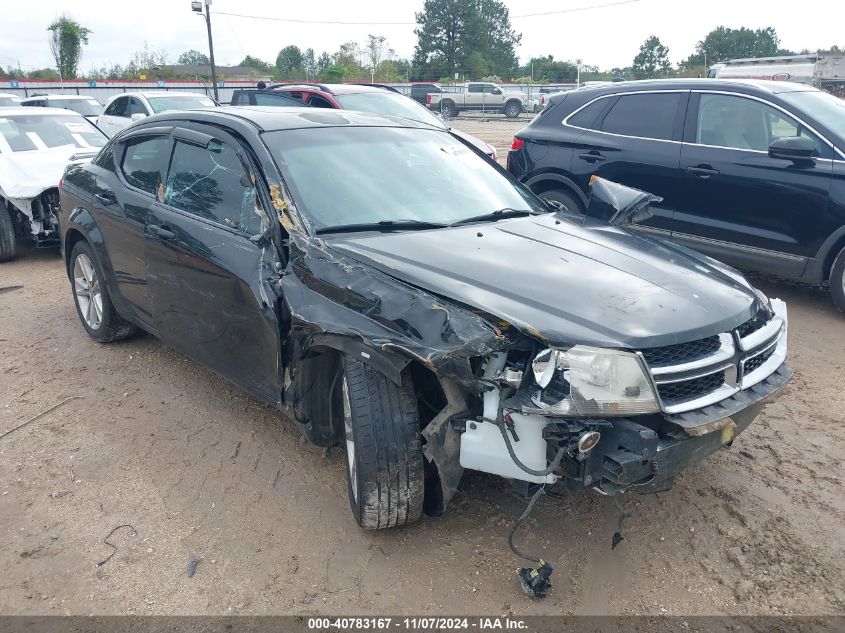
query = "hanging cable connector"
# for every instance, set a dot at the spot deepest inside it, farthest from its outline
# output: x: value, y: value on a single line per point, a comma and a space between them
x: 617, y: 535
x: 534, y: 581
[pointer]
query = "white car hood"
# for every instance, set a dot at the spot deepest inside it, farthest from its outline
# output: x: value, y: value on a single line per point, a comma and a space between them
x: 25, y: 175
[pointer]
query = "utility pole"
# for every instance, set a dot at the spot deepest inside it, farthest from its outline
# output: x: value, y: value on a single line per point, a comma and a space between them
x: 196, y: 5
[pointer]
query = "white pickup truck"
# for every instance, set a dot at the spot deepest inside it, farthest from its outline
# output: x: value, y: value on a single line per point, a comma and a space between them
x: 477, y: 96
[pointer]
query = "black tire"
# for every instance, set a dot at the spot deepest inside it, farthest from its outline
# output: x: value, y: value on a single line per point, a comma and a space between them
x: 837, y: 280
x: 8, y: 240
x: 513, y: 109
x: 111, y: 327
x: 387, y: 448
x: 448, y: 109
x: 565, y: 198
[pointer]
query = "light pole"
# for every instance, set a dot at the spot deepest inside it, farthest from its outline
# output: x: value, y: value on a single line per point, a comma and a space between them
x: 196, y: 5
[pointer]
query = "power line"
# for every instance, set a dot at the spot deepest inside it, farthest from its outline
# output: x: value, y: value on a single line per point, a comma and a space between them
x: 575, y: 9
x: 370, y: 23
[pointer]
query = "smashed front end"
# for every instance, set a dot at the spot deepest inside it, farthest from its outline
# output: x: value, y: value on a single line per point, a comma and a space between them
x: 617, y: 420
x: 29, y: 191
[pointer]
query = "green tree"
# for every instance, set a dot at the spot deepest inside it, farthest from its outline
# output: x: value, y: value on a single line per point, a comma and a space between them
x: 309, y: 62
x: 193, y: 58
x: 66, y: 39
x: 258, y: 64
x: 723, y: 43
x: 323, y: 61
x: 289, y: 63
x: 549, y: 70
x: 450, y: 31
x: 652, y: 60
x: 375, y: 51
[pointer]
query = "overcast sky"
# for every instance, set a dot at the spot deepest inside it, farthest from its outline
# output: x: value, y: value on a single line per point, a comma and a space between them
x: 605, y: 37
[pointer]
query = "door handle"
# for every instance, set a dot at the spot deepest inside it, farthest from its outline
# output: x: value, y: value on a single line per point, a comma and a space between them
x: 162, y: 231
x: 592, y: 157
x: 702, y: 171
x: 106, y: 198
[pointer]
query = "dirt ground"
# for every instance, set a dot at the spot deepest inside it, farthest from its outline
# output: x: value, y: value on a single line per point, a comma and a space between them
x: 202, y: 470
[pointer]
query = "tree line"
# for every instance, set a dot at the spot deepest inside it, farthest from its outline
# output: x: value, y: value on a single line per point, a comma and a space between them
x: 456, y: 40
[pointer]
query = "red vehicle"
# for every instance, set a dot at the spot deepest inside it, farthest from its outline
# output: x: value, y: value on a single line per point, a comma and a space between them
x: 375, y: 99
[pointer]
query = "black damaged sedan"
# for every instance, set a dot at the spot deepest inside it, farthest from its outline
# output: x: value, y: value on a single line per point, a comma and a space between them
x: 403, y: 297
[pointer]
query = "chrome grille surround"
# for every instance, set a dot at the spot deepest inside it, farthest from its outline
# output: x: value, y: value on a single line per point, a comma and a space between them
x: 739, y: 363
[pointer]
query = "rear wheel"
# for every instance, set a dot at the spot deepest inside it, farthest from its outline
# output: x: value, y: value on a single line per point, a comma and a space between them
x: 93, y: 303
x: 564, y: 198
x: 448, y: 109
x: 837, y: 280
x: 8, y: 240
x: 513, y: 109
x: 384, y: 460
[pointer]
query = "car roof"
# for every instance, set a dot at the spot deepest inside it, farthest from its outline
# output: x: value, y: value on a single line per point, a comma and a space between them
x: 159, y: 93
x: 335, y: 89
x: 48, y: 97
x: 270, y: 119
x: 39, y: 112
x: 745, y: 85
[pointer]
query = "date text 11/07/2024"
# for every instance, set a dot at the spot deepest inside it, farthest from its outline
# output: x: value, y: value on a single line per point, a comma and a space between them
x: 415, y: 623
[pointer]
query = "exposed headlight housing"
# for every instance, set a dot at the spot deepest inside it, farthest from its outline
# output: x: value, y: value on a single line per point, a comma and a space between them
x: 590, y: 381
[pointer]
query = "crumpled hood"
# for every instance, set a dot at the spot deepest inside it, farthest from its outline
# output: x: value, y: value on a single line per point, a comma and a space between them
x: 566, y: 282
x: 26, y: 174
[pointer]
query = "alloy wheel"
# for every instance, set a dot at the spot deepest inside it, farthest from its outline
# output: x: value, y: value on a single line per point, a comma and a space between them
x: 89, y: 296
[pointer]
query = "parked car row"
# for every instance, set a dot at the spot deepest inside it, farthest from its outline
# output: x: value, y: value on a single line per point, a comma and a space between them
x: 371, y: 98
x: 120, y: 110
x: 407, y: 299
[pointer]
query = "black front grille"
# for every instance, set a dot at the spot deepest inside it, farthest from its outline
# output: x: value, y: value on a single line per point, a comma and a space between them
x: 674, y: 392
x: 752, y: 325
x: 683, y: 352
x: 754, y: 363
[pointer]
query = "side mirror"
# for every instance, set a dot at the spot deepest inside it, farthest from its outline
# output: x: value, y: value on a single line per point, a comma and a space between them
x: 137, y: 116
x: 798, y: 149
x: 497, y: 91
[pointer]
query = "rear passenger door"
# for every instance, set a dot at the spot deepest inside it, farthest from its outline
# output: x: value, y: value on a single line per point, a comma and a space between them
x: 127, y: 178
x: 205, y: 273
x: 634, y: 139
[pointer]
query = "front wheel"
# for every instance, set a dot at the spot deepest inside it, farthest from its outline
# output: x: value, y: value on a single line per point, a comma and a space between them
x: 384, y: 459
x: 837, y: 280
x: 8, y: 240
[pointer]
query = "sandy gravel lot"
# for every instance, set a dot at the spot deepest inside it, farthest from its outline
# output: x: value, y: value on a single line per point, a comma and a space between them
x: 204, y: 471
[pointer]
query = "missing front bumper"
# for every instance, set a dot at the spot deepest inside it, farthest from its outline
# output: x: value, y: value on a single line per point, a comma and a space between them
x: 631, y: 456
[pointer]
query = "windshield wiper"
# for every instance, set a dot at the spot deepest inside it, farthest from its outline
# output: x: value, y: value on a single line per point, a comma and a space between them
x: 498, y: 214
x: 384, y: 225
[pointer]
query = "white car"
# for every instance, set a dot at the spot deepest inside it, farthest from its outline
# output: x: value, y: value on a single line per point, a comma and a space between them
x: 9, y: 101
x: 36, y: 144
x: 123, y: 109
x: 88, y: 107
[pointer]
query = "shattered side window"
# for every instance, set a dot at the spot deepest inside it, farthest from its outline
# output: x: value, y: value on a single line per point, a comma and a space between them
x: 212, y: 183
x: 142, y: 162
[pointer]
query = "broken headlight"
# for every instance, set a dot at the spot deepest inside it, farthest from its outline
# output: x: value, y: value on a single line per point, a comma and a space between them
x: 591, y: 381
